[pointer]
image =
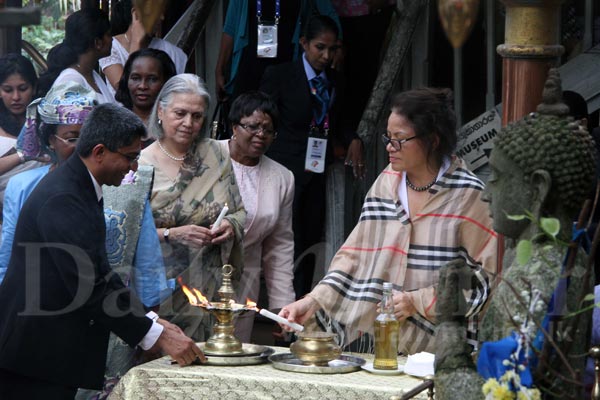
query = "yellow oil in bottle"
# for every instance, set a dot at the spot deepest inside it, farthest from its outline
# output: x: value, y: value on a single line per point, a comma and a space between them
x: 386, y: 333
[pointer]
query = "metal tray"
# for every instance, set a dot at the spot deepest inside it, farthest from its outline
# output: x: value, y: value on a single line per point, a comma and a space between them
x: 252, y: 354
x: 342, y: 365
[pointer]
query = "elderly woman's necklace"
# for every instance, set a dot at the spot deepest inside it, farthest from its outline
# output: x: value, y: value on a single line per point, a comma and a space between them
x: 166, y: 153
x: 419, y: 188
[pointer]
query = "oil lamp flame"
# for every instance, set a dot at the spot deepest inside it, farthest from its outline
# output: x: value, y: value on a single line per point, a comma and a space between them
x: 195, y: 297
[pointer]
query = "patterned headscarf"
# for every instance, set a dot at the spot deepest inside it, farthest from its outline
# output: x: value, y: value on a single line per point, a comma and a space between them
x: 68, y: 103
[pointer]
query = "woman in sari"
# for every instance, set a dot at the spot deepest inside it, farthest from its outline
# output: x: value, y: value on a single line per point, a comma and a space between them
x: 193, y: 181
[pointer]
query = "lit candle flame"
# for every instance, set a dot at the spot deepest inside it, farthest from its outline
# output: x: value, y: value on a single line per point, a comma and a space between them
x: 251, y: 305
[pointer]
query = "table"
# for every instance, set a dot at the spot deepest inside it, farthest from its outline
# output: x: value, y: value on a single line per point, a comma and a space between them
x: 159, y: 379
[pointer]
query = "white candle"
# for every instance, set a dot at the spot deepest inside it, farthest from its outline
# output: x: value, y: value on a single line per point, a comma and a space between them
x: 220, y: 217
x: 281, y: 320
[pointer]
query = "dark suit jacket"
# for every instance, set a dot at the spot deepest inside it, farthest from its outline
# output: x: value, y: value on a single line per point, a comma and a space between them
x: 76, y: 285
x: 287, y: 85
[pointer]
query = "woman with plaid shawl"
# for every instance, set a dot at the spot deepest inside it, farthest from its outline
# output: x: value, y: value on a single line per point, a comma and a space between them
x: 423, y: 211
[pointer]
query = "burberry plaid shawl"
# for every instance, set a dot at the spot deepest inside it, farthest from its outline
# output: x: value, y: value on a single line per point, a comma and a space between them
x: 387, y: 245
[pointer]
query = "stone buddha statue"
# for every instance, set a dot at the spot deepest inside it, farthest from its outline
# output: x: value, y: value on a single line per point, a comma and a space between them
x: 542, y: 165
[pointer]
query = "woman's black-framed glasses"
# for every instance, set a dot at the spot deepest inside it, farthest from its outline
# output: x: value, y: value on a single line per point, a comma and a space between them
x: 255, y: 129
x: 396, y: 143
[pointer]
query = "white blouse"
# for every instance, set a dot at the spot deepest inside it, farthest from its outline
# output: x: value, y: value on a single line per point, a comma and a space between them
x: 247, y: 181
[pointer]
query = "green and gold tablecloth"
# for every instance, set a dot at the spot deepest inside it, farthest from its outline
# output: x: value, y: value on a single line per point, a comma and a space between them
x: 160, y: 380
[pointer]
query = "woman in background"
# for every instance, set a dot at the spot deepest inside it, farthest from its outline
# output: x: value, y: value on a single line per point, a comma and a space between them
x: 87, y: 39
x: 267, y: 190
x: 144, y: 75
x: 17, y: 85
x: 131, y: 36
x: 306, y: 92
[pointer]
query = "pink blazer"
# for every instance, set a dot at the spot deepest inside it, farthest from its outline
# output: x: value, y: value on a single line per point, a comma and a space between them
x: 269, y: 239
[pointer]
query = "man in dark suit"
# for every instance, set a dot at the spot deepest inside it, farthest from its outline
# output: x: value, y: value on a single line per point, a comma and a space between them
x: 59, y: 299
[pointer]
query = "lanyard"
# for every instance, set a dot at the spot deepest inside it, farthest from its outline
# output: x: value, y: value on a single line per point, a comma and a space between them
x: 259, y: 10
x: 314, y: 127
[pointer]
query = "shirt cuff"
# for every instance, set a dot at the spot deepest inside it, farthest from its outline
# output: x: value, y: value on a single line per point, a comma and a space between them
x: 153, y: 334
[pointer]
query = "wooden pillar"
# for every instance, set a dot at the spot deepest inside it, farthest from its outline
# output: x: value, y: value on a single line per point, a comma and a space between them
x: 12, y: 34
x: 530, y: 49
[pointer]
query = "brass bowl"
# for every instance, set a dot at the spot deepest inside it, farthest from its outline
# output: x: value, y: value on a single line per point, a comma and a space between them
x: 316, y: 348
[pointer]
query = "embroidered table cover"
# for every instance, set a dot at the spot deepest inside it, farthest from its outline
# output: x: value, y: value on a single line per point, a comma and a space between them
x: 159, y: 379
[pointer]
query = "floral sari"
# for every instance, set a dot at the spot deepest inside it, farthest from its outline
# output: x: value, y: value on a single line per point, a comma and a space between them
x: 204, y: 184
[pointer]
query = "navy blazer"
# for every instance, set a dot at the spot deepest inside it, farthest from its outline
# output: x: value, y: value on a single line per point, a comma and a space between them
x: 59, y: 266
x: 288, y: 86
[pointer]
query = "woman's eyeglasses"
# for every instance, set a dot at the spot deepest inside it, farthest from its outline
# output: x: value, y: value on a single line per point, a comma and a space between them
x: 396, y: 143
x: 71, y: 140
x: 255, y: 129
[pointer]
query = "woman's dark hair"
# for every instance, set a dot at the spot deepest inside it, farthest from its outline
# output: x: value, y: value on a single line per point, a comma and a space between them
x: 82, y: 29
x: 246, y: 103
x: 13, y: 63
x: 431, y: 114
x: 167, y: 70
x: 120, y: 17
x: 317, y: 25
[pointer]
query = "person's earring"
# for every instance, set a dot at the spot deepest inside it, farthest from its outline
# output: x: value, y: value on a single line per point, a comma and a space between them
x: 160, y: 121
x: 233, y: 137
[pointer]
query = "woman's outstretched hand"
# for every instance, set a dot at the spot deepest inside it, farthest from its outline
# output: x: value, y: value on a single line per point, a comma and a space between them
x: 299, y: 311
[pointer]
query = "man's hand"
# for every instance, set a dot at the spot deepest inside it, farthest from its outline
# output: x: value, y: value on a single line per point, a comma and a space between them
x: 181, y: 348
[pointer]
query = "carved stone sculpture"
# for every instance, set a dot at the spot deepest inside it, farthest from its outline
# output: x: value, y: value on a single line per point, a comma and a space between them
x: 455, y: 373
x: 544, y: 166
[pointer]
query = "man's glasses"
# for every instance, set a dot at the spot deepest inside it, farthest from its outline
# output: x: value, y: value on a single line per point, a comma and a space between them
x: 396, y: 143
x: 132, y: 160
x: 255, y: 129
x: 71, y: 140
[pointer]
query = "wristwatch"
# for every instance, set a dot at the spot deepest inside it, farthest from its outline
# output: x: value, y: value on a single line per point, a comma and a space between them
x: 166, y: 235
x: 21, y: 156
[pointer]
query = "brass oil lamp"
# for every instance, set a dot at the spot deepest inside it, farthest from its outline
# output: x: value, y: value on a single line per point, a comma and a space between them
x: 223, y: 341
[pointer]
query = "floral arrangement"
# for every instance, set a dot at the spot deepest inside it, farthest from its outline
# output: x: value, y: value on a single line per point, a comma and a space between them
x: 509, y: 387
x: 129, y: 179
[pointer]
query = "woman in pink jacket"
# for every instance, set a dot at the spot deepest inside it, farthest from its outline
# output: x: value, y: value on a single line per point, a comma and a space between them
x: 267, y: 190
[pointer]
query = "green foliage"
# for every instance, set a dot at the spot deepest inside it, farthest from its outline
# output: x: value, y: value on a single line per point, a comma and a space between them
x: 52, y: 29
x: 45, y: 36
x: 524, y: 251
x: 550, y: 228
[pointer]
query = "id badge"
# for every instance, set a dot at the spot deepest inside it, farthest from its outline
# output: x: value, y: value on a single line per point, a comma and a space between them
x: 267, y: 41
x: 315, y: 155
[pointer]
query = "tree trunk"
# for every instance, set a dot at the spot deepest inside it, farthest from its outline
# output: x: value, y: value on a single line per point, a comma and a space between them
x: 191, y: 33
x: 393, y: 61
